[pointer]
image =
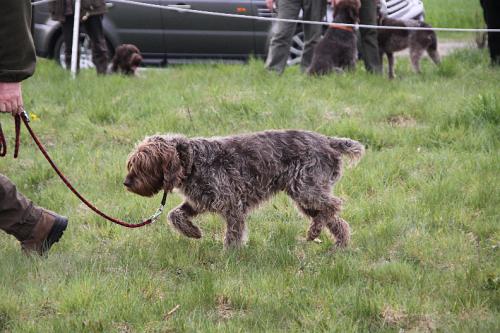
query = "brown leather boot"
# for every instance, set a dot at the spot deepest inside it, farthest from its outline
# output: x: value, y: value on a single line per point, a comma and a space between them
x: 46, y: 232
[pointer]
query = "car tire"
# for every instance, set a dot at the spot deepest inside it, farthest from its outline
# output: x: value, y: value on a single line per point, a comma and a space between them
x: 296, y: 49
x: 85, y: 52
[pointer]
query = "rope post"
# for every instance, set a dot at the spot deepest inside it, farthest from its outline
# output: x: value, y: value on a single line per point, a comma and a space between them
x: 76, y: 34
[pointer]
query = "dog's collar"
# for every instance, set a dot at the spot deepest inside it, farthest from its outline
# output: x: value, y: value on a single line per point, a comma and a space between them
x: 341, y: 27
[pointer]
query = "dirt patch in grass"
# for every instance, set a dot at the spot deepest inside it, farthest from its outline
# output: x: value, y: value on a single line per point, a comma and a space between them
x: 401, y: 121
x: 411, y: 323
x: 394, y: 317
x: 224, y: 308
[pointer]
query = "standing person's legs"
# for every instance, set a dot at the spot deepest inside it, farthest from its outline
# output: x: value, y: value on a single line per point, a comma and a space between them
x: 314, y: 10
x: 36, y: 228
x: 369, y: 42
x: 279, y: 47
x: 491, y: 11
x: 67, y: 30
x: 99, y: 47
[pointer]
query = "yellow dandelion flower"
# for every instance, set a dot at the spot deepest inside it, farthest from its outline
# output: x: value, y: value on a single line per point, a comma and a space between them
x: 34, y: 117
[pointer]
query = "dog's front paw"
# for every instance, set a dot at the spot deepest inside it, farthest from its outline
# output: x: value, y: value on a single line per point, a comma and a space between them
x: 194, y: 232
x: 185, y: 227
x: 190, y: 230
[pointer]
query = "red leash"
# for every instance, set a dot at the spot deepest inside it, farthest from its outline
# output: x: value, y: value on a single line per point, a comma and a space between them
x: 3, y: 150
x: 3, y: 143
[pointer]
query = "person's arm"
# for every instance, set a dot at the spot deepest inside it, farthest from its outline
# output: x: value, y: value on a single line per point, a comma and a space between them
x: 17, y: 52
x: 269, y: 4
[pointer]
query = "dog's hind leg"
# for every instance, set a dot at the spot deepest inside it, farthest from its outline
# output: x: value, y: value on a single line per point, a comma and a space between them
x: 340, y: 229
x: 390, y: 62
x: 180, y: 218
x: 317, y: 221
x: 322, y: 208
x: 236, y: 233
x: 327, y: 214
x: 415, y: 55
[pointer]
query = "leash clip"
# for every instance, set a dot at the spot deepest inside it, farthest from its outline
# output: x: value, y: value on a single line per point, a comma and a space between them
x: 156, y: 215
x: 25, y: 115
x: 153, y: 218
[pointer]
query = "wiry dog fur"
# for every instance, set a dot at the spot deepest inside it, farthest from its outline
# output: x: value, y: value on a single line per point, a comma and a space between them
x: 231, y: 175
x: 419, y: 41
x: 337, y: 50
x: 126, y: 60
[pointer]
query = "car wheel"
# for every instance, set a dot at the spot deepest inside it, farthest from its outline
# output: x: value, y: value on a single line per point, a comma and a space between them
x: 85, y: 52
x: 296, y: 49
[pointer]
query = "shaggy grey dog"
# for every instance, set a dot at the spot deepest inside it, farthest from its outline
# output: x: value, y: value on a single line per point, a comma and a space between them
x: 419, y: 41
x: 337, y: 50
x: 231, y: 175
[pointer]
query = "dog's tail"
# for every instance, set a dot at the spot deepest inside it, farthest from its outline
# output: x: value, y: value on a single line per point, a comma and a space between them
x: 351, y: 148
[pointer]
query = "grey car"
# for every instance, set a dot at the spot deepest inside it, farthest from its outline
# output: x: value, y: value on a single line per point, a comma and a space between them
x: 168, y: 36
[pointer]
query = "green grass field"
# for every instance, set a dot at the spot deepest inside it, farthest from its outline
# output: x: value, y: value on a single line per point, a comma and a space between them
x: 454, y: 13
x: 423, y: 205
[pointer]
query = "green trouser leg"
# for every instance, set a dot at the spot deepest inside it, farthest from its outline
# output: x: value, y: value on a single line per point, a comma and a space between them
x: 18, y: 215
x: 314, y: 10
x: 369, y: 42
x: 281, y: 41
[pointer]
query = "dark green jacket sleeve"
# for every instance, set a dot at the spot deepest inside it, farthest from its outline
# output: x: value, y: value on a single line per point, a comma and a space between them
x: 17, y: 52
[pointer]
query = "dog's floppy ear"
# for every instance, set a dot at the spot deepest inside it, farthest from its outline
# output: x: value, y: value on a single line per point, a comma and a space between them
x: 171, y: 166
x: 136, y: 59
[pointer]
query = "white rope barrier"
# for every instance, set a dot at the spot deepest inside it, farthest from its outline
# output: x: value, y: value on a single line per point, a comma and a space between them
x: 273, y: 19
x: 41, y: 2
x: 76, y: 26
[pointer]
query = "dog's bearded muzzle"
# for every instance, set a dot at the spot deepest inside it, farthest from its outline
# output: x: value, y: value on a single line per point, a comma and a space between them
x: 145, y: 187
x: 153, y: 166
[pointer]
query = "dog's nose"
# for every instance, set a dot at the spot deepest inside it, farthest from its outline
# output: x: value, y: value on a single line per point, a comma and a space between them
x: 127, y: 183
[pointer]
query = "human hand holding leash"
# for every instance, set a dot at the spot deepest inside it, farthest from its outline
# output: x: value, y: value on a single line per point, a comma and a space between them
x: 11, y: 98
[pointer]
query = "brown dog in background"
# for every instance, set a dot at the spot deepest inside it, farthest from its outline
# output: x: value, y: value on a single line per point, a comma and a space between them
x: 126, y: 60
x: 418, y: 41
x: 337, y: 50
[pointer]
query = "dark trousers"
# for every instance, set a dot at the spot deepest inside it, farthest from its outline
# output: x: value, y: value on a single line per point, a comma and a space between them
x: 491, y: 11
x: 93, y: 27
x: 18, y: 215
x: 281, y: 41
x: 369, y: 41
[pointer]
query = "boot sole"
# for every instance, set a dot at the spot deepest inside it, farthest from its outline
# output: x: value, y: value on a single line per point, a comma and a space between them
x: 56, y: 232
